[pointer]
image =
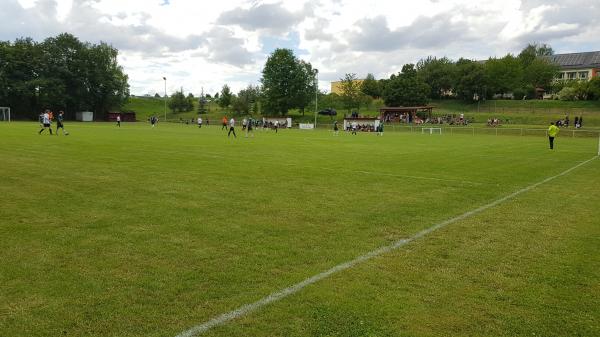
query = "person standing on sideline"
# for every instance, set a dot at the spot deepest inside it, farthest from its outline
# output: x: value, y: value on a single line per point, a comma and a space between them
x: 199, y: 122
x: 336, y: 130
x: 552, y: 133
x: 119, y: 120
x: 224, y: 123
x: 59, y: 123
x: 231, y: 128
x: 45, y: 122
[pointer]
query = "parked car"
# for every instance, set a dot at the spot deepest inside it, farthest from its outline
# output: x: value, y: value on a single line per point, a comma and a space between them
x: 328, y: 112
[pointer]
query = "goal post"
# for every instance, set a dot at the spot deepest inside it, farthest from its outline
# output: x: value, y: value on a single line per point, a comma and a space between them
x: 4, y: 114
x: 431, y: 130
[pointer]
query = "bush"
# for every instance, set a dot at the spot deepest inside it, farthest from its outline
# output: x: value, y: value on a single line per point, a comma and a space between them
x: 568, y: 94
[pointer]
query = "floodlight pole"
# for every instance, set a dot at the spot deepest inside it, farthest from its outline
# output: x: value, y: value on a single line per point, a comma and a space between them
x: 165, y: 97
x: 316, y: 94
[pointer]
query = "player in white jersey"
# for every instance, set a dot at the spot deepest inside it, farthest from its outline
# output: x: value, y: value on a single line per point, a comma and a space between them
x: 46, y: 122
x: 199, y: 122
x: 231, y: 127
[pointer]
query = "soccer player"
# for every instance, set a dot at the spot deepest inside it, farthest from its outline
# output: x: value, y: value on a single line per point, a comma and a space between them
x: 250, y: 127
x: 231, y: 128
x: 153, y: 121
x: 46, y: 122
x: 199, y: 122
x: 336, y: 130
x: 59, y: 123
x: 552, y: 132
x: 224, y: 123
x: 244, y: 122
x: 380, y: 129
x: 354, y: 127
x: 119, y: 120
x: 276, y: 126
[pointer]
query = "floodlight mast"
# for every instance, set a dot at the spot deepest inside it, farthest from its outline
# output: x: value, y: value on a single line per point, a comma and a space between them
x: 165, y: 97
x: 316, y: 94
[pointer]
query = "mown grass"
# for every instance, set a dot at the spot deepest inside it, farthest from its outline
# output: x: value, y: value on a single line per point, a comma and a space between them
x: 135, y: 231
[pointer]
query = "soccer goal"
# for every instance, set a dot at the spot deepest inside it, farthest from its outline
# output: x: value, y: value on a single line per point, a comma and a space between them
x: 431, y: 130
x: 4, y: 114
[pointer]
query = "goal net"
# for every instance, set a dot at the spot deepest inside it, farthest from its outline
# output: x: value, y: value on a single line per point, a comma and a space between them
x: 4, y: 114
x: 431, y: 131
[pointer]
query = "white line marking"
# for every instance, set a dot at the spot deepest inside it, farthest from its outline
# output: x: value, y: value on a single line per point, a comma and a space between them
x: 278, y: 295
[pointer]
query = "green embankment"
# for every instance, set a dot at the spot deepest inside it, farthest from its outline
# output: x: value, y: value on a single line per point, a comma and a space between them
x: 511, y: 112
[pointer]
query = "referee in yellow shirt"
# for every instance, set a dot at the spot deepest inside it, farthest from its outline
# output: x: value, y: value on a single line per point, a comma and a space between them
x: 552, y: 132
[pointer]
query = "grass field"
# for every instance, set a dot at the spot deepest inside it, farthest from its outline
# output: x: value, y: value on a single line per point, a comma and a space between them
x: 135, y: 231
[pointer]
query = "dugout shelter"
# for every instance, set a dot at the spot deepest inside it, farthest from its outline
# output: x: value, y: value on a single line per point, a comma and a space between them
x: 284, y: 122
x: 365, y: 124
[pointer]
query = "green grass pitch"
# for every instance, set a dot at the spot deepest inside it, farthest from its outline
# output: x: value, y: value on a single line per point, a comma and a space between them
x: 135, y: 231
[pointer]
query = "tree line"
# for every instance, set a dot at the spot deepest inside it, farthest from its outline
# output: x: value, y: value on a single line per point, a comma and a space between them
x: 61, y: 73
x: 289, y: 83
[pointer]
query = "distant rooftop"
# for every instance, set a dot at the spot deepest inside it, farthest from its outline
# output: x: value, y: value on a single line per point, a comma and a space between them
x: 577, y: 60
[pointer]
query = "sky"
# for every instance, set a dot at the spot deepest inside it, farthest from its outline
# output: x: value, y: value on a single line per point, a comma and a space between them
x: 202, y: 45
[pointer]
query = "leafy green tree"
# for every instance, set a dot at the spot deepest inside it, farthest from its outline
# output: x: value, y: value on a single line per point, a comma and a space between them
x: 61, y: 73
x: 352, y: 95
x: 504, y: 75
x: 540, y: 73
x: 405, y: 88
x: 286, y: 83
x: 439, y: 74
x: 246, y: 100
x: 179, y: 102
x: 470, y: 80
x: 534, y: 51
x: 226, y: 97
x: 306, y: 86
x: 371, y: 87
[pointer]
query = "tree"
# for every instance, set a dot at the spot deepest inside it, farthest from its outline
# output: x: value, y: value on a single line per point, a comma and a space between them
x: 504, y: 75
x: 439, y: 74
x: 179, y: 102
x: 246, y: 100
x: 61, y: 73
x: 306, y: 85
x: 351, y: 93
x: 470, y: 80
x: 406, y: 88
x: 371, y: 87
x: 534, y: 51
x: 226, y: 96
x: 286, y: 83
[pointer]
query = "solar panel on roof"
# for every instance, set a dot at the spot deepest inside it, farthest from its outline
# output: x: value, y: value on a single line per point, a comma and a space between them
x: 595, y: 58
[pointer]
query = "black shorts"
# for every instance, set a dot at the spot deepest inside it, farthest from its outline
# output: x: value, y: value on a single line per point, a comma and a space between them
x: 46, y: 125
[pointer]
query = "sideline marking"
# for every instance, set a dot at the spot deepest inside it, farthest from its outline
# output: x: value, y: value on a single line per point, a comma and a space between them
x: 280, y: 294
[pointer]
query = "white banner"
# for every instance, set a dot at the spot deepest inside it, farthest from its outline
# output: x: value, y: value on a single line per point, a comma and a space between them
x: 306, y: 126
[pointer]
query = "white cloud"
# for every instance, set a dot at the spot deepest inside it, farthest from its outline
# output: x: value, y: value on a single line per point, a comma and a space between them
x: 206, y: 44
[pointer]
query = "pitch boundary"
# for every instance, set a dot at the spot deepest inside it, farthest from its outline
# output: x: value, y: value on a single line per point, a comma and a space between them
x: 283, y: 293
